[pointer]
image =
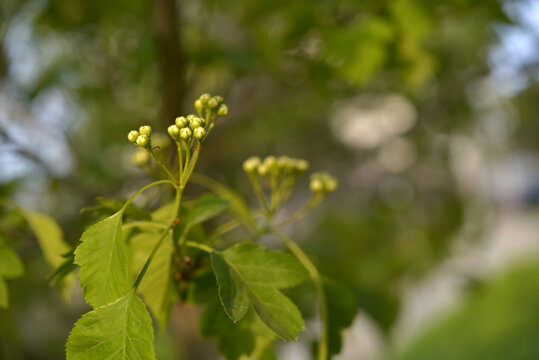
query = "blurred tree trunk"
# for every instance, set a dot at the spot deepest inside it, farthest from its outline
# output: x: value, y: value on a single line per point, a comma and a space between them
x: 171, y: 58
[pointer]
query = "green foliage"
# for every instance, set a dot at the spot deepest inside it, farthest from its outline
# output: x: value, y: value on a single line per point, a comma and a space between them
x: 103, y: 262
x: 249, y: 275
x: 119, y: 330
x: 11, y: 267
x: 206, y: 207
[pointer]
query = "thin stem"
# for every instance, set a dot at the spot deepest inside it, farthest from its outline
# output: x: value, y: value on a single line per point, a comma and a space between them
x: 180, y: 161
x: 165, y: 169
x: 143, y: 224
x: 302, y: 212
x: 155, y: 183
x: 150, y: 258
x: 199, y: 246
x: 255, y: 181
x: 317, y: 280
x: 226, y: 227
x: 192, y: 165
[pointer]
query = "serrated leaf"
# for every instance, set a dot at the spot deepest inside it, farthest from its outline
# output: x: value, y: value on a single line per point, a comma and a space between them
x: 10, y: 264
x: 120, y: 330
x: 155, y: 284
x: 103, y: 262
x: 204, y: 209
x: 249, y: 275
x: 342, y: 308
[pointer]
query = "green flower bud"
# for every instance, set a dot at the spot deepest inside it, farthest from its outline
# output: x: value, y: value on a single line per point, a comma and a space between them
x: 317, y: 186
x: 301, y: 165
x: 219, y: 99
x: 250, y: 165
x: 186, y: 133
x: 173, y: 131
x: 223, y: 110
x: 199, y: 133
x: 133, y: 135
x: 181, y: 122
x: 199, y: 106
x: 143, y: 140
x: 331, y: 184
x: 204, y: 98
x: 190, y: 117
x: 284, y: 163
x: 263, y: 170
x: 145, y: 130
x: 140, y: 158
x: 212, y: 103
x: 270, y: 162
x: 196, y: 123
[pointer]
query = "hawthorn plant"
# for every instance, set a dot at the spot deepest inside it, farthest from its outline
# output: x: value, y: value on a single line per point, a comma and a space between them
x: 135, y: 260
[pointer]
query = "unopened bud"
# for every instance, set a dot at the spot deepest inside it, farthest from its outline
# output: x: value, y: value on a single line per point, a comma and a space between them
x: 263, y: 170
x: 317, y: 186
x: 223, y: 110
x: 199, y: 133
x: 181, y: 122
x: 173, y: 131
x: 133, y: 135
x: 140, y: 157
x: 204, y: 98
x: 186, y: 133
x: 199, y: 106
x: 212, y: 103
x: 251, y: 164
x: 219, y: 99
x: 190, y: 117
x: 145, y: 130
x: 301, y: 165
x: 331, y: 184
x: 196, y: 123
x: 143, y: 140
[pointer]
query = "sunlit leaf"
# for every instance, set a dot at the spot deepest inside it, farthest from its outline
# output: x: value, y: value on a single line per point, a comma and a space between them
x: 121, y: 330
x: 103, y: 262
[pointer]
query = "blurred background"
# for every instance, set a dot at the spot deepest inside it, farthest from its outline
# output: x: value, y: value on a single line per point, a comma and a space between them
x: 427, y: 112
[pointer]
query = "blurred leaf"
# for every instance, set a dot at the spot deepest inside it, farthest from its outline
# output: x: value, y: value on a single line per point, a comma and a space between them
x: 155, y: 283
x: 119, y: 330
x: 247, y: 274
x: 205, y: 208
x: 10, y: 267
x: 107, y: 207
x: 103, y: 262
x: 4, y: 296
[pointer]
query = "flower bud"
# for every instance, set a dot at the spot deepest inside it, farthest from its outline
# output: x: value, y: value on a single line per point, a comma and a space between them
x: 143, y: 140
x: 262, y: 169
x: 186, y: 133
x: 204, y: 99
x: 133, y: 135
x: 270, y: 162
x: 331, y: 184
x: 145, y: 130
x: 199, y: 106
x: 181, y: 122
x: 212, y: 103
x: 250, y: 165
x: 284, y: 163
x: 301, y: 165
x: 190, y: 117
x: 317, y: 186
x: 196, y: 122
x: 223, y: 110
x: 199, y: 133
x: 219, y: 99
x: 140, y: 157
x: 173, y: 131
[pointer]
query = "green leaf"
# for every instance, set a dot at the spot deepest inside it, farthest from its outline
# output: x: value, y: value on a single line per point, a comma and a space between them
x: 155, y: 283
x: 205, y: 208
x: 248, y: 337
x: 4, y: 297
x: 107, y: 207
x: 49, y: 236
x: 342, y: 308
x: 249, y: 275
x: 103, y: 262
x: 119, y: 330
x: 10, y: 264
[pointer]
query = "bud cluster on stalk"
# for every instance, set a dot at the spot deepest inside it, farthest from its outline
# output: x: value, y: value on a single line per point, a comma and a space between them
x: 141, y: 137
x: 323, y: 183
x: 275, y: 168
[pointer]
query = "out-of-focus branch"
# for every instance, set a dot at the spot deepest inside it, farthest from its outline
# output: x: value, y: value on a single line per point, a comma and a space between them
x: 172, y: 62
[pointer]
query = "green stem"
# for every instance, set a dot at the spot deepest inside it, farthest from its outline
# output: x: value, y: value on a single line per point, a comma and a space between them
x: 150, y: 258
x: 301, y: 213
x: 255, y: 181
x: 226, y: 227
x: 192, y: 165
x: 180, y: 161
x: 317, y: 280
x: 165, y: 169
x: 199, y: 246
x: 141, y: 190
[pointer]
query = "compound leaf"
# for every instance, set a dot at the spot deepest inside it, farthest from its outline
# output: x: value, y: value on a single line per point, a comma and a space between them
x: 249, y: 275
x: 103, y: 262
x: 120, y: 330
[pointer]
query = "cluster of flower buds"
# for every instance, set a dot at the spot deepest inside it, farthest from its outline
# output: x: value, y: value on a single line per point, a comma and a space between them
x: 275, y: 167
x: 186, y: 127
x: 323, y: 183
x: 141, y: 137
x: 211, y: 104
